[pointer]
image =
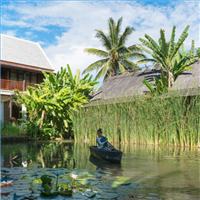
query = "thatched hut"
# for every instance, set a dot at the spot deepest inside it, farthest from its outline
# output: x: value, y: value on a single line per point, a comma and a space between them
x: 129, y: 84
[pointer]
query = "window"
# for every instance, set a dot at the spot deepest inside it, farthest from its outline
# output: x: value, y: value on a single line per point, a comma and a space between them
x: 33, y: 78
x: 13, y: 75
x: 28, y: 77
x: 20, y: 76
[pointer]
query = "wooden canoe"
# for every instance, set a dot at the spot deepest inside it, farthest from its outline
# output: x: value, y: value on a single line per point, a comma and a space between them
x: 113, y: 156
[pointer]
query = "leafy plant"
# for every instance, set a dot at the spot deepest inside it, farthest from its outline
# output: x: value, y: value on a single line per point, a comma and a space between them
x: 117, y: 57
x: 51, y: 103
x: 159, y: 87
x: 12, y: 129
x: 166, y: 54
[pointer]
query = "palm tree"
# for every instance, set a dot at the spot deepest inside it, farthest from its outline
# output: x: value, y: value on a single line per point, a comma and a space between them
x: 117, y: 56
x: 167, y: 54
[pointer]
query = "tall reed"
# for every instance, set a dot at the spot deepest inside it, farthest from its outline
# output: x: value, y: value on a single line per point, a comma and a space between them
x: 161, y: 121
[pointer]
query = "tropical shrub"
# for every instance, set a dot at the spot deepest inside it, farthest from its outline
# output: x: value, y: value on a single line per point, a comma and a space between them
x: 49, y: 106
x: 167, y: 54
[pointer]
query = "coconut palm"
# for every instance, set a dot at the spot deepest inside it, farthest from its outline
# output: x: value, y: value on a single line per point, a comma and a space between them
x: 116, y: 57
x: 168, y: 55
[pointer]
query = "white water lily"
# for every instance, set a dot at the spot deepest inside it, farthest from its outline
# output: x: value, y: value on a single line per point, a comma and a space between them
x: 24, y: 163
x: 74, y: 176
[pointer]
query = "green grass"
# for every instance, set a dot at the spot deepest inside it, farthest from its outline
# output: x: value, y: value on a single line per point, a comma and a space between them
x: 158, y: 121
x: 11, y: 130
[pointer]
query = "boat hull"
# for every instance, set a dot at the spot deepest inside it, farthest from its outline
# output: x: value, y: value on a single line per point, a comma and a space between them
x: 113, y: 156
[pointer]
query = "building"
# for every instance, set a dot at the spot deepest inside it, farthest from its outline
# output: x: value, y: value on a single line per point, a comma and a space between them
x: 21, y: 65
x: 129, y: 84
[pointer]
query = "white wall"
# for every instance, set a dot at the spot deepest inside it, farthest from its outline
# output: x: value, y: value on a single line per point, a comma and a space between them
x: 2, y: 111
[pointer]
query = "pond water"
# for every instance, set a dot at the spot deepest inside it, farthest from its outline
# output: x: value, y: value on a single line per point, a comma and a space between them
x: 157, y: 173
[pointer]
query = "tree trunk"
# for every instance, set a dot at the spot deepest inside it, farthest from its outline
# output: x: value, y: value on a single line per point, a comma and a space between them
x: 170, y: 80
x: 61, y: 136
x: 41, y: 123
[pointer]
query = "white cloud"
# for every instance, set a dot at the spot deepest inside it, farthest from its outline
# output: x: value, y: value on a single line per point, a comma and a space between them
x: 81, y: 18
x: 10, y: 33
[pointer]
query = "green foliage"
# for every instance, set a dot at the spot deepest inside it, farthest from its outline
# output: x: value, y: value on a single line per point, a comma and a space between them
x: 46, y: 180
x: 148, y: 120
x: 11, y: 129
x: 168, y: 56
x: 115, y: 58
x: 51, y: 103
x: 159, y: 86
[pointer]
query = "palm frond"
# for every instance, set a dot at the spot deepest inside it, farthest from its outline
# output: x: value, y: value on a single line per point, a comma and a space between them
x: 130, y: 64
x: 135, y: 55
x: 104, y: 39
x: 118, y: 29
x: 121, y: 50
x: 147, y: 60
x: 123, y: 38
x: 111, y: 25
x: 135, y: 48
x: 96, y: 52
x: 96, y: 65
x: 103, y: 70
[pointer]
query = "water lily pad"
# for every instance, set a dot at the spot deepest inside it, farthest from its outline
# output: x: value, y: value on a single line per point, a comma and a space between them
x: 66, y: 193
x: 92, y: 183
x: 22, y: 187
x: 49, y: 194
x: 64, y: 180
x: 24, y: 193
x: 37, y: 181
x: 90, y: 194
x: 79, y: 196
x: 7, y: 190
x: 22, y: 182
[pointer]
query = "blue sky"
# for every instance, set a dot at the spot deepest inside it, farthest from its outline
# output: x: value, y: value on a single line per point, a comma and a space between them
x: 65, y: 28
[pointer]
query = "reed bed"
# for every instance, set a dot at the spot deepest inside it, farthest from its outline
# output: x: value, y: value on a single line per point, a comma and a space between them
x: 173, y: 121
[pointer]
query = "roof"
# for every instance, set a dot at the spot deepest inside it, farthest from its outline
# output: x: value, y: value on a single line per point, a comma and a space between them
x: 189, y: 79
x: 130, y: 84
x: 126, y: 85
x: 23, y: 52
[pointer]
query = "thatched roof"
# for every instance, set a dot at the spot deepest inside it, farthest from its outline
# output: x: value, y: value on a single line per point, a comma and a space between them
x: 130, y: 84
x: 126, y: 85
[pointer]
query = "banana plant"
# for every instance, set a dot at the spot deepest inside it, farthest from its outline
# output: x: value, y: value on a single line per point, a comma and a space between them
x: 53, y: 101
x: 158, y: 87
x: 165, y: 54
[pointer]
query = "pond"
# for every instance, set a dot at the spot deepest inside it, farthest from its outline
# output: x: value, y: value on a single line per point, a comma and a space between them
x: 150, y: 172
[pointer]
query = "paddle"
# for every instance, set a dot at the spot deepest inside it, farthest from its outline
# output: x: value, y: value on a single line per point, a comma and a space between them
x: 111, y: 146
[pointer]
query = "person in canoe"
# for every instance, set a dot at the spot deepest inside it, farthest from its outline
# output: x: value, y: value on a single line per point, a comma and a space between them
x: 102, y: 141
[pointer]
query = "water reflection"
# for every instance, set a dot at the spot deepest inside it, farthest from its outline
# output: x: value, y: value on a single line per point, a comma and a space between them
x: 163, y: 173
x: 106, y: 167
